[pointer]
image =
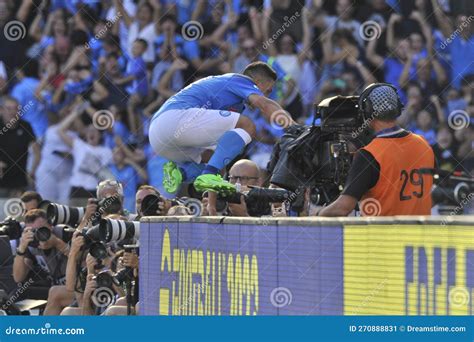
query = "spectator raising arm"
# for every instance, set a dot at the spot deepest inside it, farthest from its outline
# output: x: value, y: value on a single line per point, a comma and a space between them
x: 442, y: 19
x: 372, y: 57
x: 405, y: 76
x: 66, y: 124
x: 394, y: 18
x: 164, y: 87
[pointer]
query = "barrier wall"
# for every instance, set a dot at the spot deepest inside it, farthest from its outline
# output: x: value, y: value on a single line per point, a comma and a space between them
x: 350, y: 266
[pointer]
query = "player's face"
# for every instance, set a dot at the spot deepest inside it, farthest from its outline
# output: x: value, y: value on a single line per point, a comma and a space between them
x: 265, y: 86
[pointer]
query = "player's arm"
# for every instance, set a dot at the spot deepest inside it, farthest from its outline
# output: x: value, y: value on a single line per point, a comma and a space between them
x: 270, y: 110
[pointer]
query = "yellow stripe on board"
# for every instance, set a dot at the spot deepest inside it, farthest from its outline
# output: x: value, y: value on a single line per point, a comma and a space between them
x: 378, y: 257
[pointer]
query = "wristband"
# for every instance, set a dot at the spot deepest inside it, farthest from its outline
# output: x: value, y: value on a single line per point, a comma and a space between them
x: 18, y: 252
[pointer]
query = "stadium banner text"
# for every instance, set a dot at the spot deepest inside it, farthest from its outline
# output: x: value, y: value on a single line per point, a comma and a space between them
x: 354, y: 266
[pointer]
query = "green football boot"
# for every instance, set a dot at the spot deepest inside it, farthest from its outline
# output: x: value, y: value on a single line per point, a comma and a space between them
x: 215, y: 183
x: 172, y: 177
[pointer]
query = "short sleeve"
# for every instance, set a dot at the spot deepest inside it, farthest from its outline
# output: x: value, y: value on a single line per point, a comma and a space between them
x: 363, y: 174
x: 244, y: 87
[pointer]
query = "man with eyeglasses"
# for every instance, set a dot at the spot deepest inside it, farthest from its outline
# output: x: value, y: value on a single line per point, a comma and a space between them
x: 244, y: 174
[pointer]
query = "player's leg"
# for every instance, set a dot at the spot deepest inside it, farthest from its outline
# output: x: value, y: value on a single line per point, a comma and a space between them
x: 182, y: 135
x: 165, y: 133
x: 229, y: 146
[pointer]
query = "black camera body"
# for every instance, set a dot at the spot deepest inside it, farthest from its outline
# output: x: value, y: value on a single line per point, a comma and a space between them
x: 41, y: 234
x: 258, y: 199
x: 150, y: 205
x: 320, y: 157
x: 451, y: 191
x: 11, y: 228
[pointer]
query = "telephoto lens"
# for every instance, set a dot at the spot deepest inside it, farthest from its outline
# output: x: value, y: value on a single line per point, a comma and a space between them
x: 62, y: 214
x: 118, y: 230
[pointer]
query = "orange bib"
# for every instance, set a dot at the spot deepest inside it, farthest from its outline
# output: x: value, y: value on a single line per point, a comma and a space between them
x: 401, y: 189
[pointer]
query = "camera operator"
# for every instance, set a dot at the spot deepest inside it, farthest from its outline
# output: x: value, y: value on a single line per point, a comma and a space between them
x: 385, y: 175
x: 45, y: 263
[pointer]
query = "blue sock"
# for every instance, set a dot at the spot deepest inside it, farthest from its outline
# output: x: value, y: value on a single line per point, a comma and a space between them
x: 229, y: 145
x: 191, y: 170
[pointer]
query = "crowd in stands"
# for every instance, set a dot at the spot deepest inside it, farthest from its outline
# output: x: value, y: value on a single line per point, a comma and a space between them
x: 70, y: 65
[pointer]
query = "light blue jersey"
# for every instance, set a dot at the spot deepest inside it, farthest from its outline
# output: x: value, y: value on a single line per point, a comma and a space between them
x: 225, y: 92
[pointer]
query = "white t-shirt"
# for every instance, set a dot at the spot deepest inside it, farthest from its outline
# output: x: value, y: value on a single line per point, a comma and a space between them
x: 88, y: 162
x: 53, y: 142
x: 291, y: 66
x: 147, y: 33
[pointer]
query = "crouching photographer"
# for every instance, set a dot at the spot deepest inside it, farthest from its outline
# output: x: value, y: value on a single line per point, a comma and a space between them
x: 41, y: 256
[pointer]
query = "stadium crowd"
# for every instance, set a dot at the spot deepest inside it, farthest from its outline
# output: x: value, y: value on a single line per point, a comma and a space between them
x: 80, y: 81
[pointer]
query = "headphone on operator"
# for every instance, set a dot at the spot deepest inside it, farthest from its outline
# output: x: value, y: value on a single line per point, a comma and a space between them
x: 366, y: 108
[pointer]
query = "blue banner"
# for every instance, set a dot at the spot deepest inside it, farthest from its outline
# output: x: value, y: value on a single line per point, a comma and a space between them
x: 190, y: 268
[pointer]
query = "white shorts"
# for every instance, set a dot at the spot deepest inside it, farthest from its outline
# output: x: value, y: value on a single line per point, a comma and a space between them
x: 182, y: 135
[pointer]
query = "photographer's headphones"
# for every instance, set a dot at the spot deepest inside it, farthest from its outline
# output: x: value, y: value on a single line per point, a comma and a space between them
x: 366, y: 105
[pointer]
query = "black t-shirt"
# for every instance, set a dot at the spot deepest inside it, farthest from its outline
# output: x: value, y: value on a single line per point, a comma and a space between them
x: 14, y: 143
x: 364, y: 172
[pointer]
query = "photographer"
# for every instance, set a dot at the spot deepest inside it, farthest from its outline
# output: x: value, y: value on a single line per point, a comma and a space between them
x: 125, y: 259
x: 78, y: 279
x: 145, y: 190
x: 43, y: 257
x: 385, y: 175
x: 245, y: 174
x: 108, y: 202
x: 30, y: 200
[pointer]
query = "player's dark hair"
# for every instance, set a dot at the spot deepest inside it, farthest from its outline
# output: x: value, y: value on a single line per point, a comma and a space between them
x: 260, y: 69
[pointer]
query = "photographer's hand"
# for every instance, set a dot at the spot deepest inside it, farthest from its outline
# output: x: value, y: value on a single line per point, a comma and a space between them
x: 26, y: 237
x: 91, y: 262
x: 91, y: 285
x: 76, y: 244
x: 239, y: 209
x: 130, y: 260
x: 91, y: 209
x: 211, y: 204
